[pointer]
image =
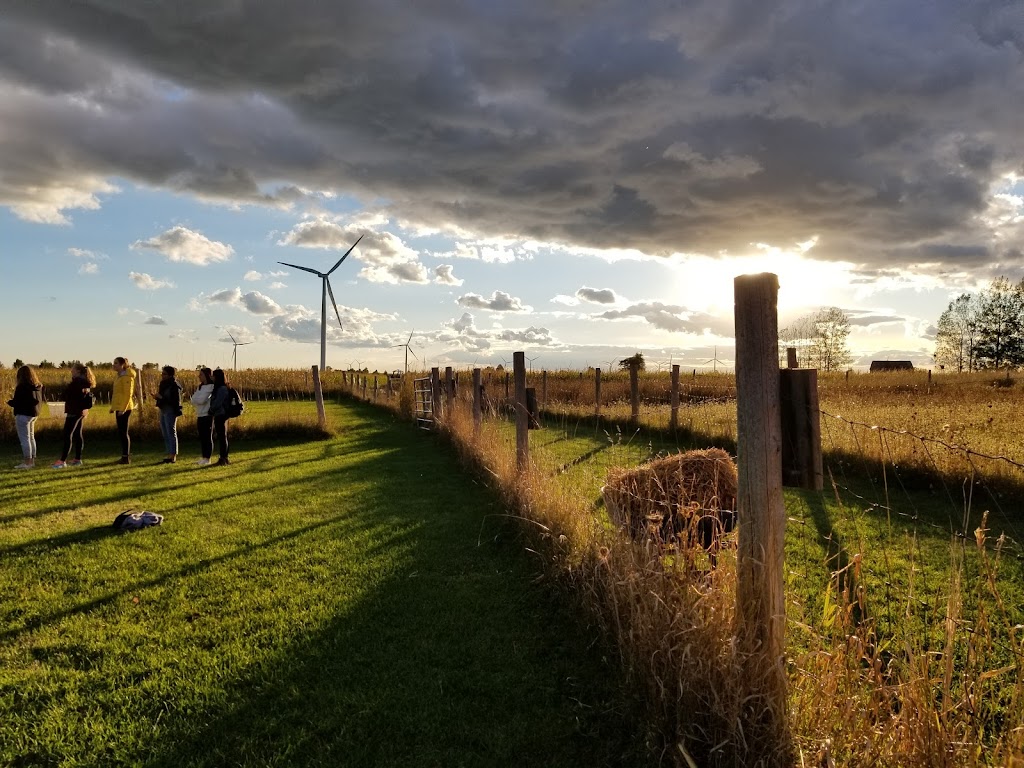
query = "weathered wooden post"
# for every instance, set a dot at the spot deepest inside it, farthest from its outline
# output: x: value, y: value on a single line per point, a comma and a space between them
x: 544, y: 388
x: 507, y: 385
x: 760, y: 604
x: 532, y: 412
x: 801, y: 428
x: 449, y: 389
x: 791, y: 358
x: 318, y: 391
x: 597, y: 393
x: 673, y: 421
x: 522, y: 416
x: 478, y: 406
x: 436, y: 408
x: 634, y: 392
x: 375, y: 388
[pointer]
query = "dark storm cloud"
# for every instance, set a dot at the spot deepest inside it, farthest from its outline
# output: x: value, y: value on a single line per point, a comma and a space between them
x: 881, y: 127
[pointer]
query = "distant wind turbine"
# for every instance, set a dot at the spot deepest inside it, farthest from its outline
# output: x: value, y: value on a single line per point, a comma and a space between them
x: 323, y: 300
x: 408, y: 349
x: 234, y: 350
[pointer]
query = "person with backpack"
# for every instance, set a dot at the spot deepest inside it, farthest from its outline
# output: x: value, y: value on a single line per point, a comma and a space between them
x: 27, y: 402
x: 204, y: 421
x: 219, y: 403
x: 78, y: 399
x: 168, y: 400
x: 121, y: 404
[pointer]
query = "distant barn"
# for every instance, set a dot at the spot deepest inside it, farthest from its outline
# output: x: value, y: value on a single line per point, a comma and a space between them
x: 891, y: 365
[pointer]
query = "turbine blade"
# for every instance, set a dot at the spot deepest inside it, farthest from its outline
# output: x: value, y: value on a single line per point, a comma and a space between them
x: 304, y: 269
x: 410, y: 337
x: 413, y: 353
x: 231, y: 337
x: 345, y: 256
x: 333, y: 302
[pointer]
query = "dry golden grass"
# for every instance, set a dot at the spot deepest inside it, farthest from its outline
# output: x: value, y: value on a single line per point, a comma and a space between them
x: 853, y: 698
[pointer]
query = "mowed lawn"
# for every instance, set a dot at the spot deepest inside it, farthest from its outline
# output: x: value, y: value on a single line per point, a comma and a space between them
x: 358, y: 601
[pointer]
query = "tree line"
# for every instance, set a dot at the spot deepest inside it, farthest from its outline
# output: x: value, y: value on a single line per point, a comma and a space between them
x: 983, y: 330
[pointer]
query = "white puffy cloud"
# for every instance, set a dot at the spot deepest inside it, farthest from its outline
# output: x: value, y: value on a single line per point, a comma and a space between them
x: 499, y: 302
x: 252, y: 276
x: 597, y: 295
x: 89, y: 268
x: 668, y: 317
x: 180, y: 244
x: 147, y: 282
x: 445, y: 275
x: 253, y: 302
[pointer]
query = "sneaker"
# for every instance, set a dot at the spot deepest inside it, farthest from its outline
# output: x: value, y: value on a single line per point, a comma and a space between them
x: 203, y: 462
x: 58, y: 465
x: 223, y: 461
x: 124, y: 460
x: 75, y: 463
x: 23, y: 465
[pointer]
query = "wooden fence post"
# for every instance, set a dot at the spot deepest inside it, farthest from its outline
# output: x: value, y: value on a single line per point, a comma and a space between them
x: 435, y: 395
x: 597, y: 393
x: 791, y: 358
x: 544, y: 388
x: 801, y: 428
x: 674, y: 419
x: 449, y: 389
x: 478, y: 409
x: 522, y: 416
x: 634, y: 392
x: 760, y: 603
x: 321, y: 414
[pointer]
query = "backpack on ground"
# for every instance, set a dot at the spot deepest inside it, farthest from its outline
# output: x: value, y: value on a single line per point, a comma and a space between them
x: 235, y: 406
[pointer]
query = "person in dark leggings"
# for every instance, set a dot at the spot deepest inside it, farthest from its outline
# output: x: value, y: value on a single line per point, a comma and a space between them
x: 121, y: 404
x: 204, y: 421
x: 218, y: 409
x: 75, y: 411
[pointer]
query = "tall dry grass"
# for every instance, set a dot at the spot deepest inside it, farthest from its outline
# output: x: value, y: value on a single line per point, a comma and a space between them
x: 854, y: 698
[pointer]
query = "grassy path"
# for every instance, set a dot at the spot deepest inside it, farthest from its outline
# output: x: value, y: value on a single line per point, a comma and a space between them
x: 345, y: 602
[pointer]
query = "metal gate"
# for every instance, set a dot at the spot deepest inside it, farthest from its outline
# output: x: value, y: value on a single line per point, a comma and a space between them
x: 423, y: 403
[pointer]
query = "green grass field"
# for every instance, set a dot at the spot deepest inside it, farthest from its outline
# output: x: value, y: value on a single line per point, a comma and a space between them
x: 352, y: 601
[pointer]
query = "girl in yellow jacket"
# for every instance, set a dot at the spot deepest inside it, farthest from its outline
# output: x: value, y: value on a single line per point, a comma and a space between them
x: 121, y: 404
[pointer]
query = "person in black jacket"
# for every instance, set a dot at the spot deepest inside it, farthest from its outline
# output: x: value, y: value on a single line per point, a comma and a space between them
x: 218, y: 409
x: 27, y: 401
x: 168, y: 400
x: 78, y: 399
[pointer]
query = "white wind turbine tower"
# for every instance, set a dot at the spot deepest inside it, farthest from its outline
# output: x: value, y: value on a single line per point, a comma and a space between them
x: 408, y: 349
x: 325, y: 276
x: 234, y: 350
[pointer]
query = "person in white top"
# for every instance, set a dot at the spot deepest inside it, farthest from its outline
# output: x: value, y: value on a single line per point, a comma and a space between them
x: 201, y: 400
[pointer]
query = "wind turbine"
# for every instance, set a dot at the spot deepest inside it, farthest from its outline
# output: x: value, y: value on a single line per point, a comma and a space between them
x: 234, y: 350
x: 408, y: 349
x: 323, y: 300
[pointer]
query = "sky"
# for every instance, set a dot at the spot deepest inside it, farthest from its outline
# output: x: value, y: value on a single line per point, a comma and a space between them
x: 577, y: 180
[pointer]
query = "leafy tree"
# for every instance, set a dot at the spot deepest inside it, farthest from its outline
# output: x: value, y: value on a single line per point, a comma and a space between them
x: 822, y: 336
x: 637, y: 359
x: 45, y: 364
x: 956, y: 340
x: 1001, y: 324
x: 17, y: 363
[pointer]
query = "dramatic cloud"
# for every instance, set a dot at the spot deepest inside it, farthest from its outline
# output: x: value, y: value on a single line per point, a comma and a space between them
x: 667, y: 317
x: 147, y: 282
x: 445, y: 275
x: 499, y: 302
x: 889, y: 130
x: 183, y: 245
x: 597, y: 295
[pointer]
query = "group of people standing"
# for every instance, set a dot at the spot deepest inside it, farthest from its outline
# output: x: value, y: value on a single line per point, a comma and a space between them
x: 210, y: 400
